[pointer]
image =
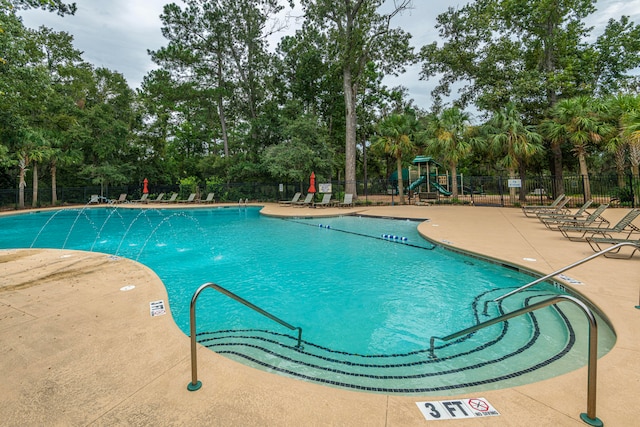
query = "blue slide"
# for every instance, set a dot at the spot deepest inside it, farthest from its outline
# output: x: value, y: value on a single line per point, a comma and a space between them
x: 441, y: 189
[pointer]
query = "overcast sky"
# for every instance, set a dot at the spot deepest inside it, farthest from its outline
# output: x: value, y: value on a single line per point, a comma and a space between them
x: 117, y: 33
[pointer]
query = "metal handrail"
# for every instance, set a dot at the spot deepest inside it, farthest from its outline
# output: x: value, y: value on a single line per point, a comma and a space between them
x: 555, y: 273
x: 195, y: 384
x: 590, y: 416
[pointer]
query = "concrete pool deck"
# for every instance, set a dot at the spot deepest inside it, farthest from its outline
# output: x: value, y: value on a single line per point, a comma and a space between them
x: 78, y: 350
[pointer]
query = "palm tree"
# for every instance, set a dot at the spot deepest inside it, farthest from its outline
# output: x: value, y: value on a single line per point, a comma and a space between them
x: 395, y: 138
x: 450, y: 137
x: 631, y: 133
x: 620, y: 109
x: 577, y: 121
x: 513, y: 141
x: 33, y: 149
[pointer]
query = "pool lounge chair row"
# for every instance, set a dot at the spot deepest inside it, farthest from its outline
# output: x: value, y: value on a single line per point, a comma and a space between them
x: 159, y: 199
x: 595, y: 229
x: 557, y: 207
x: 325, y: 202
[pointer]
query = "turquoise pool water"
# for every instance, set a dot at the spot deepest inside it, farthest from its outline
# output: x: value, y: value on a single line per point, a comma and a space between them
x: 367, y: 292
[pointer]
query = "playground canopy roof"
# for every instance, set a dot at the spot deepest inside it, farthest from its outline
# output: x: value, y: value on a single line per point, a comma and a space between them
x: 425, y: 160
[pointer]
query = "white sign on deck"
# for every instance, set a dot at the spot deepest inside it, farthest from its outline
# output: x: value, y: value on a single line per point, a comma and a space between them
x: 474, y: 407
x: 157, y: 308
x: 514, y: 183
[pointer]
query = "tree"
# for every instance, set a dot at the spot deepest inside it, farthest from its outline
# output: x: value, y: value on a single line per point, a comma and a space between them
x: 512, y: 141
x: 577, y: 121
x: 219, y: 50
x: 32, y: 149
x: 531, y: 53
x: 450, y: 137
x: 57, y: 6
x: 303, y: 150
x: 620, y: 109
x: 631, y: 133
x: 359, y: 35
x: 396, y: 137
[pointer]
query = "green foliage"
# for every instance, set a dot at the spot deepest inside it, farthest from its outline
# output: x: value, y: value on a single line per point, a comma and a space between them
x: 188, y: 185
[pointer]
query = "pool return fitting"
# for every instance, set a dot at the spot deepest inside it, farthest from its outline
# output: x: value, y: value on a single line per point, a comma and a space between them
x: 195, y: 384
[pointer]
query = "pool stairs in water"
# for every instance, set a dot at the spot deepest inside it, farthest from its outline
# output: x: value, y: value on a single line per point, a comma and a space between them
x: 504, y: 355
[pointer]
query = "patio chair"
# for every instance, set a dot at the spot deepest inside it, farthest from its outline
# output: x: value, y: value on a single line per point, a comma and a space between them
x: 600, y: 243
x: 94, y: 199
x: 157, y: 199
x: 172, y: 199
x: 295, y: 199
x: 308, y: 200
x: 348, y: 200
x: 123, y: 199
x: 209, y: 198
x: 623, y: 226
x: 532, y: 210
x: 594, y: 219
x: 189, y: 199
x: 142, y: 199
x: 580, y: 213
x: 326, y: 201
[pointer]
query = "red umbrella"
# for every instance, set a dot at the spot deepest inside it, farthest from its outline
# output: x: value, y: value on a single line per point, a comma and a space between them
x: 312, y: 184
x: 145, y: 190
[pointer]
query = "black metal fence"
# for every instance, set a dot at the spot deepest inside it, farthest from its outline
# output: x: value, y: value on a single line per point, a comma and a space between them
x: 476, y: 190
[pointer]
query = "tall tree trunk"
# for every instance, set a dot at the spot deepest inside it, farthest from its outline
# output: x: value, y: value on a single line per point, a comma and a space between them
x: 584, y: 173
x: 54, y: 183
x: 21, y: 185
x: 400, y: 180
x: 512, y: 190
x: 558, y: 180
x: 620, y: 161
x: 454, y: 180
x: 34, y: 201
x: 350, y: 91
x: 522, y: 170
x: 221, y: 115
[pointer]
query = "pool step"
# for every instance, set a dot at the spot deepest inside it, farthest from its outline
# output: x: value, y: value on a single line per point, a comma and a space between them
x: 492, y: 358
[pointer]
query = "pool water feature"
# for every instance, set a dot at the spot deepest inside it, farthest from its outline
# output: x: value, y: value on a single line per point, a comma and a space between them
x: 368, y: 305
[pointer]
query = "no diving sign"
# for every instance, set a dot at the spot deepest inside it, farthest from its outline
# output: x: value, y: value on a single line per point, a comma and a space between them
x: 456, y: 409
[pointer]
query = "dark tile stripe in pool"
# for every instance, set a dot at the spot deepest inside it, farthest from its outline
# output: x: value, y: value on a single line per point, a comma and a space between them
x: 351, y: 385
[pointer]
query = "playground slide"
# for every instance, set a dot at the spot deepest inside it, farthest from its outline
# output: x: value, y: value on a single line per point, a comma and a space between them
x: 441, y: 189
x: 417, y: 182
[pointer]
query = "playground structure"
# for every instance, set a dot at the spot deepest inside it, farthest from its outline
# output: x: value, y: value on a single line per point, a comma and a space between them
x: 427, y: 183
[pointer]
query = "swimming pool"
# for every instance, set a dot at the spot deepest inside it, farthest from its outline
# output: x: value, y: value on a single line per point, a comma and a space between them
x: 367, y: 303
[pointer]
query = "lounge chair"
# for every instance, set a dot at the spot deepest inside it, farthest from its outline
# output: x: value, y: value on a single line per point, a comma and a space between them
x: 209, y: 198
x: 308, y: 200
x: 326, y: 201
x: 189, y: 199
x: 580, y: 213
x: 348, y: 201
x: 533, y: 210
x: 94, y: 199
x: 172, y: 199
x: 296, y: 198
x: 623, y: 226
x: 594, y: 219
x: 123, y: 199
x: 600, y: 243
x: 142, y: 199
x: 157, y: 199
